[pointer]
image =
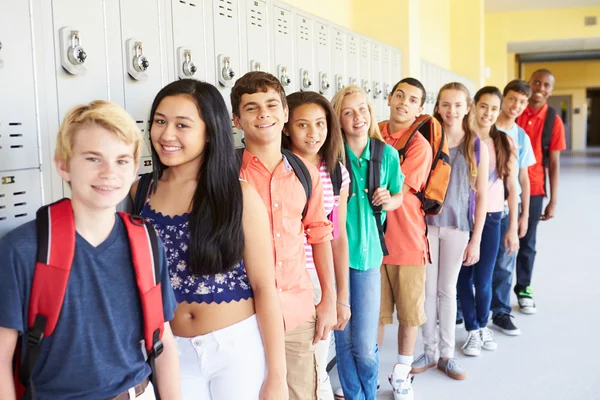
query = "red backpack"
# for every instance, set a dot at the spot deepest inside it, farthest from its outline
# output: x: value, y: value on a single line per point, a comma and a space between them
x: 55, y: 253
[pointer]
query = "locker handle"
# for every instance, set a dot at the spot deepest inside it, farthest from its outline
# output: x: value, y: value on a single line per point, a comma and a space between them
x: 227, y: 72
x: 285, y: 79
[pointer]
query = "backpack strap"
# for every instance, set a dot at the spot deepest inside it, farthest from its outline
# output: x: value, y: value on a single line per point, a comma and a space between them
x: 141, y: 195
x: 145, y: 255
x: 55, y: 225
x: 349, y: 168
x: 336, y: 179
x: 420, y: 122
x: 302, y: 173
x: 547, y: 135
x: 374, y: 182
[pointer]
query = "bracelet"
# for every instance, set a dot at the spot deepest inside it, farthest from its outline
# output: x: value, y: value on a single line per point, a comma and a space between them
x: 344, y: 304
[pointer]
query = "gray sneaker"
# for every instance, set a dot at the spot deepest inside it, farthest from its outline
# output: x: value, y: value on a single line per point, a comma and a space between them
x: 452, y: 369
x: 423, y: 363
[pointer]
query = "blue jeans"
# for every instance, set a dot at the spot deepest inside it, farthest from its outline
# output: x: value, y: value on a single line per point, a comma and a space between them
x: 476, y: 309
x: 356, y: 346
x: 503, y: 271
x: 527, y: 251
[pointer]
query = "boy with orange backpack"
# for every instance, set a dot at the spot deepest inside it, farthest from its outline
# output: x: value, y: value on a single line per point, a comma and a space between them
x: 425, y: 163
x: 89, y: 318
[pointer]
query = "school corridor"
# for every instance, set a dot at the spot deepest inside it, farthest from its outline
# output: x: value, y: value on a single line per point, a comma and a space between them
x: 556, y: 357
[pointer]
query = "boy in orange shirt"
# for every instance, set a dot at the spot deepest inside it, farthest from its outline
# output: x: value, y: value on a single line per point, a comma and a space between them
x: 260, y: 110
x: 403, y: 270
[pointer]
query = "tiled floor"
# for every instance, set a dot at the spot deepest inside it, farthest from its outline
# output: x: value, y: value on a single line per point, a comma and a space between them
x: 558, y: 354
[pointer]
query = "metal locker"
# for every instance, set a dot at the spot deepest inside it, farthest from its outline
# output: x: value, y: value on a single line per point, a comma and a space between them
x: 338, y: 60
x: 142, y: 55
x: 324, y: 82
x: 386, y: 80
x: 396, y: 66
x: 365, y: 66
x: 283, y: 47
x: 20, y: 198
x: 227, y: 35
x: 192, y: 41
x: 19, y: 147
x: 376, y: 80
x: 352, y: 59
x: 80, y: 53
x: 257, y: 36
x: 304, y: 53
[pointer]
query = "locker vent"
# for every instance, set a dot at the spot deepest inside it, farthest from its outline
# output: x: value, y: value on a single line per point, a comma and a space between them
x: 191, y: 4
x: 386, y: 56
x: 283, y: 23
x: 352, y: 48
x: 256, y: 16
x: 226, y: 8
x: 364, y: 50
x: 376, y: 53
x: 323, y: 36
x: 339, y: 42
x: 304, y: 30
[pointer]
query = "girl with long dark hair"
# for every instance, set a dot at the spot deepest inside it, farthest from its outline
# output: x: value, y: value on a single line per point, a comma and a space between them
x: 502, y: 183
x: 216, y: 233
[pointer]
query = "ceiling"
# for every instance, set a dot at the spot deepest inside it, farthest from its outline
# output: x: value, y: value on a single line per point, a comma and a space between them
x: 541, y: 46
x: 522, y: 5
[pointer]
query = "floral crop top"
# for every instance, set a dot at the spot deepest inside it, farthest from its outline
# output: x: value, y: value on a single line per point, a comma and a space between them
x: 232, y: 285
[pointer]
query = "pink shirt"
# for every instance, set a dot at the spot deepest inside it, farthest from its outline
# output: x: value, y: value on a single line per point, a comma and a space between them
x: 495, y: 199
x: 330, y: 200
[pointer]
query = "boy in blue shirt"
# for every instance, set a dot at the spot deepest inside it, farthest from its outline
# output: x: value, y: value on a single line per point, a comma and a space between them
x: 95, y: 351
x: 516, y: 95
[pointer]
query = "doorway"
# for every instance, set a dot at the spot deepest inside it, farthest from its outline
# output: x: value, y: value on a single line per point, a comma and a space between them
x: 593, y: 118
x: 562, y: 105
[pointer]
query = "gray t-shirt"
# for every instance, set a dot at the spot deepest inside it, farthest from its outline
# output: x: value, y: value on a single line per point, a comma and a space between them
x: 455, y: 213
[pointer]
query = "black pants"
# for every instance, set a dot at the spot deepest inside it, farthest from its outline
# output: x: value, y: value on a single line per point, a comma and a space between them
x: 527, y: 251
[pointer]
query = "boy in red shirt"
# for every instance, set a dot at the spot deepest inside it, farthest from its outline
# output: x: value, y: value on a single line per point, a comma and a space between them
x: 533, y: 121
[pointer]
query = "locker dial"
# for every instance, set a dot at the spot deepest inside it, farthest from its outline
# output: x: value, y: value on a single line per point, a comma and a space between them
x: 324, y: 83
x: 140, y: 62
x: 189, y: 69
x: 306, y: 82
x: 226, y: 73
x: 283, y: 76
x: 72, y: 54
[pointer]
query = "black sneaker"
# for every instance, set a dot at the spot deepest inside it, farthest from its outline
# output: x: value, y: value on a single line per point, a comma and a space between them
x: 503, y: 323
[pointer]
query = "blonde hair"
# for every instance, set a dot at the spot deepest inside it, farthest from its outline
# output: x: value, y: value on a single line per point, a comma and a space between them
x: 338, y: 99
x: 102, y: 113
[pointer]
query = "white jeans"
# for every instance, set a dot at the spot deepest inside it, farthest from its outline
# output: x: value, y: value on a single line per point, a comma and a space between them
x: 447, y: 247
x: 228, y: 364
x: 322, y: 348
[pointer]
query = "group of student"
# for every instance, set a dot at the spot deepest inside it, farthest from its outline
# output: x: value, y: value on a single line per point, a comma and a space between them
x: 264, y: 252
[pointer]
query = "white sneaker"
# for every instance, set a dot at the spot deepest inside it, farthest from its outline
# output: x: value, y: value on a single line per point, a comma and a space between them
x: 487, y: 339
x: 527, y: 305
x: 401, y: 382
x: 339, y: 394
x: 472, y: 346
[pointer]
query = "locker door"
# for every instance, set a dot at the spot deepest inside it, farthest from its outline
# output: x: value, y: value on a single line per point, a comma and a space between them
x: 365, y: 66
x: 323, y: 65
x: 386, y: 79
x: 376, y: 79
x: 143, y: 69
x: 283, y: 48
x: 304, y: 37
x: 352, y: 59
x: 338, y: 60
x: 396, y: 72
x: 192, y: 41
x: 227, y: 35
x: 18, y: 128
x: 80, y: 52
x: 257, y: 33
x: 20, y: 197
x: 20, y: 183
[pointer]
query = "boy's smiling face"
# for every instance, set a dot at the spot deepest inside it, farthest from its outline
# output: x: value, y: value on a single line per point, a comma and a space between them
x: 261, y: 116
x: 101, y: 169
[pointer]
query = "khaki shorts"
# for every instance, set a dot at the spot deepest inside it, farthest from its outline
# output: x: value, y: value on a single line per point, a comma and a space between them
x: 301, y: 360
x: 403, y: 287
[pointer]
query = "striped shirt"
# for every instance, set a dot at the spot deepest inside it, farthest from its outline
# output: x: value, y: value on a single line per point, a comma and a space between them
x: 330, y: 201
